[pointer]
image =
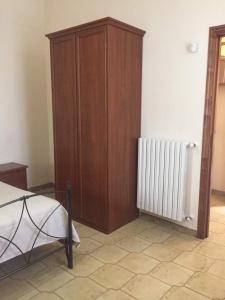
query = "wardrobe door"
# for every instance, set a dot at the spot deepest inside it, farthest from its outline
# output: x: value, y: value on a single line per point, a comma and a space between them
x: 92, y: 107
x: 64, y: 113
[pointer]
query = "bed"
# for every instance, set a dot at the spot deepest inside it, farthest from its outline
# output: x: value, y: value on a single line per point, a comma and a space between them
x: 29, y: 220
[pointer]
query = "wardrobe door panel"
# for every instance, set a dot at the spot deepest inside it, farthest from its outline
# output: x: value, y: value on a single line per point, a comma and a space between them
x: 64, y: 113
x: 124, y: 107
x: 91, y: 72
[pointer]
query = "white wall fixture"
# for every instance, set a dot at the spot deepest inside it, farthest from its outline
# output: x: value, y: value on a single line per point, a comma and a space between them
x: 163, y: 177
x: 193, y: 47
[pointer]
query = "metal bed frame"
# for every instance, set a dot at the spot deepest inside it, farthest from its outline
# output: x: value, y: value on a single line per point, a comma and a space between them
x: 27, y: 256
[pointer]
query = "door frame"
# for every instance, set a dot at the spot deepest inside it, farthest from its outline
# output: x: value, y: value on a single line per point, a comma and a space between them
x: 215, y: 34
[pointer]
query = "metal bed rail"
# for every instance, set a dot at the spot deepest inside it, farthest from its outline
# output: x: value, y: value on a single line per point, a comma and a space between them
x: 27, y: 256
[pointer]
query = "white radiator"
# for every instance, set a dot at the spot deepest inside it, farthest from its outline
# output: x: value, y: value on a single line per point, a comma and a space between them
x: 162, y: 176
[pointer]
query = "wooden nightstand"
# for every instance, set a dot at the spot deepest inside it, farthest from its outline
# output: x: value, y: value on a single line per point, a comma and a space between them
x: 14, y: 174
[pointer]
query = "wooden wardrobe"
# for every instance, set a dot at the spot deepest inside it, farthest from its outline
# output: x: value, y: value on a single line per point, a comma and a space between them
x: 96, y: 87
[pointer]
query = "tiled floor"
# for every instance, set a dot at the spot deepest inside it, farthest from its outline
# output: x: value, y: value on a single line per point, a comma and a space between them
x: 145, y: 260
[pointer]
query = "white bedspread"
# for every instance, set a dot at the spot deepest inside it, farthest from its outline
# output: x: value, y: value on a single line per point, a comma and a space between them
x: 40, y: 208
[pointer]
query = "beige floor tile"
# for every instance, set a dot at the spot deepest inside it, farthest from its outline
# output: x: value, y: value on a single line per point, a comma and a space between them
x: 57, y: 259
x: 138, y: 263
x: 49, y: 279
x: 146, y: 217
x: 216, y: 227
x: 172, y: 228
x: 1, y: 273
x: 182, y: 293
x: 12, y: 264
x: 215, y: 217
x: 85, y: 231
x: 166, y: 228
x: 87, y: 246
x: 162, y: 252
x: 46, y: 296
x: 215, y: 198
x: 18, y: 261
x: 182, y: 242
x: 212, y: 250
x: 85, y: 265
x: 144, y: 287
x: 154, y: 235
x: 218, y: 210
x: 218, y: 238
x: 194, y: 261
x: 30, y: 272
x: 171, y: 273
x: 137, y: 226
x: 218, y: 269
x: 208, y: 285
x: 112, y: 276
x: 109, y: 254
x: 76, y: 224
x: 136, y: 249
x: 110, y: 239
x: 42, y: 250
x: 115, y: 295
x: 184, y: 230
x: 16, y: 289
x: 80, y: 289
x: 133, y: 244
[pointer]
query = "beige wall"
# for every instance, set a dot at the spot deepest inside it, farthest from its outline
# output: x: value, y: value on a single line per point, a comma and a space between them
x: 173, y: 78
x: 23, y: 106
x: 218, y: 166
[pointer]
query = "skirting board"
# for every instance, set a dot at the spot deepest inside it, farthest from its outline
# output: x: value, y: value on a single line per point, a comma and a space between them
x: 46, y: 186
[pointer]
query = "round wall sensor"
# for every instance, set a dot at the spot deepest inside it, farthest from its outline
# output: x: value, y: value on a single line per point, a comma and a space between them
x: 193, y: 47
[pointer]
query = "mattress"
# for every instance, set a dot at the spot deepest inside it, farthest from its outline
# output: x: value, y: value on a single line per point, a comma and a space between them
x: 39, y: 207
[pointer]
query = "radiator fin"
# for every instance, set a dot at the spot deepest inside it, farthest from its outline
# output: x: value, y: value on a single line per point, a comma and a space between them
x: 161, y: 177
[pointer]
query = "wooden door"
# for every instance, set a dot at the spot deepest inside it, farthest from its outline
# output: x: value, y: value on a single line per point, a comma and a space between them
x: 64, y: 114
x: 92, y: 107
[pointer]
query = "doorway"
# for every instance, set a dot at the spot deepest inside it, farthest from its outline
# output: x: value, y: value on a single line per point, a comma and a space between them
x: 209, y: 144
x: 217, y: 199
